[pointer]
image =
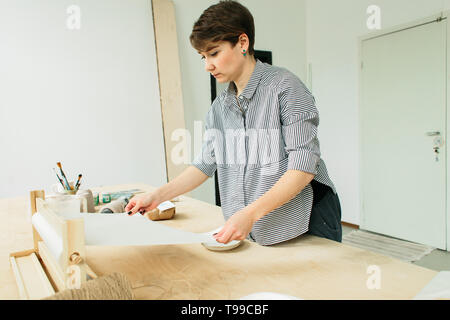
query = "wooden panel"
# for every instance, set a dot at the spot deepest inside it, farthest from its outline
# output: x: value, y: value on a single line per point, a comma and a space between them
x: 55, y: 271
x: 172, y: 109
x: 75, y: 245
x: 19, y: 280
x: 71, y: 233
x: 446, y: 14
x: 33, y: 196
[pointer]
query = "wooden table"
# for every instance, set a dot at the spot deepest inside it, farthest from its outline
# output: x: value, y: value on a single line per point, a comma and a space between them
x: 307, y: 267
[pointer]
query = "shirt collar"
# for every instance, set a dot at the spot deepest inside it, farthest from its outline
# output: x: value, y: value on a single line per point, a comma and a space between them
x: 252, y: 84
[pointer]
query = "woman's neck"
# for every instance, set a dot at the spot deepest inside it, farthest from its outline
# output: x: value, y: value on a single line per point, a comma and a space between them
x: 247, y: 72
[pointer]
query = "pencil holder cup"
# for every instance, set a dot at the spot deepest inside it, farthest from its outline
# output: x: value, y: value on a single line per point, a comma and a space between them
x: 66, y: 203
x: 58, y: 188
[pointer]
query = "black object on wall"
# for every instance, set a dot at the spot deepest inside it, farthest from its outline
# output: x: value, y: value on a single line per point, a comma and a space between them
x: 264, y: 56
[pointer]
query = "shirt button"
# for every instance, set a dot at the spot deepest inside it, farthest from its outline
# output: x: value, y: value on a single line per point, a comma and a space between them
x: 241, y: 97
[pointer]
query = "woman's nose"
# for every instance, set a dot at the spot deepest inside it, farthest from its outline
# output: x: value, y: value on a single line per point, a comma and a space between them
x: 208, y: 66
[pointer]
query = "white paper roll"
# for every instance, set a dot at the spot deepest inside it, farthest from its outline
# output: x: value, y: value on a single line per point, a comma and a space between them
x: 51, y: 238
x: 120, y: 229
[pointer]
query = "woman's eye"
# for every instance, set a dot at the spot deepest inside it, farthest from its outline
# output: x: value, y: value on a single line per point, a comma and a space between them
x: 212, y: 55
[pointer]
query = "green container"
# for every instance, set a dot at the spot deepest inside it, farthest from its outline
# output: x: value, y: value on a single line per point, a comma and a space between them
x: 96, y: 199
x: 106, y: 197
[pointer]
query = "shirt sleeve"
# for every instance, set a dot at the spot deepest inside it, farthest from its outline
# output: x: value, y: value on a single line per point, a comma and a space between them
x: 299, y: 120
x: 206, y: 159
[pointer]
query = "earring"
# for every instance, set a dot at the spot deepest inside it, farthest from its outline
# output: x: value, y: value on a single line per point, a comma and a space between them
x: 244, y: 53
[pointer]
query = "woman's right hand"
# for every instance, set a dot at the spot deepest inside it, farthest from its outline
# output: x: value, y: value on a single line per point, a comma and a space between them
x: 142, y: 203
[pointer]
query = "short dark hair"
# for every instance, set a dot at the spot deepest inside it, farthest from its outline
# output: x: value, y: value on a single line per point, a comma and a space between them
x: 224, y: 21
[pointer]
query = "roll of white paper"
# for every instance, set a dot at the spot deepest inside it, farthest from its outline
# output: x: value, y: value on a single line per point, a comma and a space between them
x: 51, y: 238
x: 120, y: 229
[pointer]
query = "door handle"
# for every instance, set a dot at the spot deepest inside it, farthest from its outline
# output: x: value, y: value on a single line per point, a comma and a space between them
x: 433, y: 133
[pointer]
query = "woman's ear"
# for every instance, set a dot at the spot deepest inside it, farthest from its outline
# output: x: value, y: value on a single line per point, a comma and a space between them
x: 244, y: 42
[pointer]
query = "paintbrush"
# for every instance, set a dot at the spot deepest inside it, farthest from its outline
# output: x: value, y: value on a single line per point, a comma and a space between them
x: 60, y: 180
x: 63, y: 175
x: 77, y: 185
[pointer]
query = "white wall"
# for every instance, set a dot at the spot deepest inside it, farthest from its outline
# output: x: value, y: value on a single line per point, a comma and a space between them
x: 279, y: 28
x: 333, y: 28
x: 101, y: 82
x: 88, y: 98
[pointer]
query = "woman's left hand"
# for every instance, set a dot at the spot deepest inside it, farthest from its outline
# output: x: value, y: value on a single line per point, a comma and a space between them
x: 236, y: 228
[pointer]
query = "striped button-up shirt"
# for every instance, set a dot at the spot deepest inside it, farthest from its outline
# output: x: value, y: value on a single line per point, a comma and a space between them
x: 254, y: 138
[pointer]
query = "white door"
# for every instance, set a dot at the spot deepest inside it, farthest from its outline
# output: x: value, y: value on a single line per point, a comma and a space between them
x: 403, y: 112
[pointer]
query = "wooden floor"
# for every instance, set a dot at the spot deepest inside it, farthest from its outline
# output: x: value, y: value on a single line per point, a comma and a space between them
x: 438, y: 260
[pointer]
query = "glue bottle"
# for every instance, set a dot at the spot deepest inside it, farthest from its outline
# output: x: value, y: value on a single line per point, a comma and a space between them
x: 116, y: 206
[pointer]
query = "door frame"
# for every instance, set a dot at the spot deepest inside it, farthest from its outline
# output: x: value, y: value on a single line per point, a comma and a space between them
x: 441, y: 15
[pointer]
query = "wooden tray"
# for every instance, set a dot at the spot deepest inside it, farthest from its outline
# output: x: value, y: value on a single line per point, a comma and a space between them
x: 31, y: 278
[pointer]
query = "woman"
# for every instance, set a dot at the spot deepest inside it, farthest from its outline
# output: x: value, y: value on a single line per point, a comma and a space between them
x: 262, y: 140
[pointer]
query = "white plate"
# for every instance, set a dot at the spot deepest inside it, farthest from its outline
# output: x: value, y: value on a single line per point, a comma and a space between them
x: 217, y: 246
x: 269, y: 296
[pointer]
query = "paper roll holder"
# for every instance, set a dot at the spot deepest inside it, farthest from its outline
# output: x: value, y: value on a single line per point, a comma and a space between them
x: 37, y: 272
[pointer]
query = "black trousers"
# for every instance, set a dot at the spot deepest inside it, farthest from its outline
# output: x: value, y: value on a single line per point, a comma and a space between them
x: 325, y: 221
